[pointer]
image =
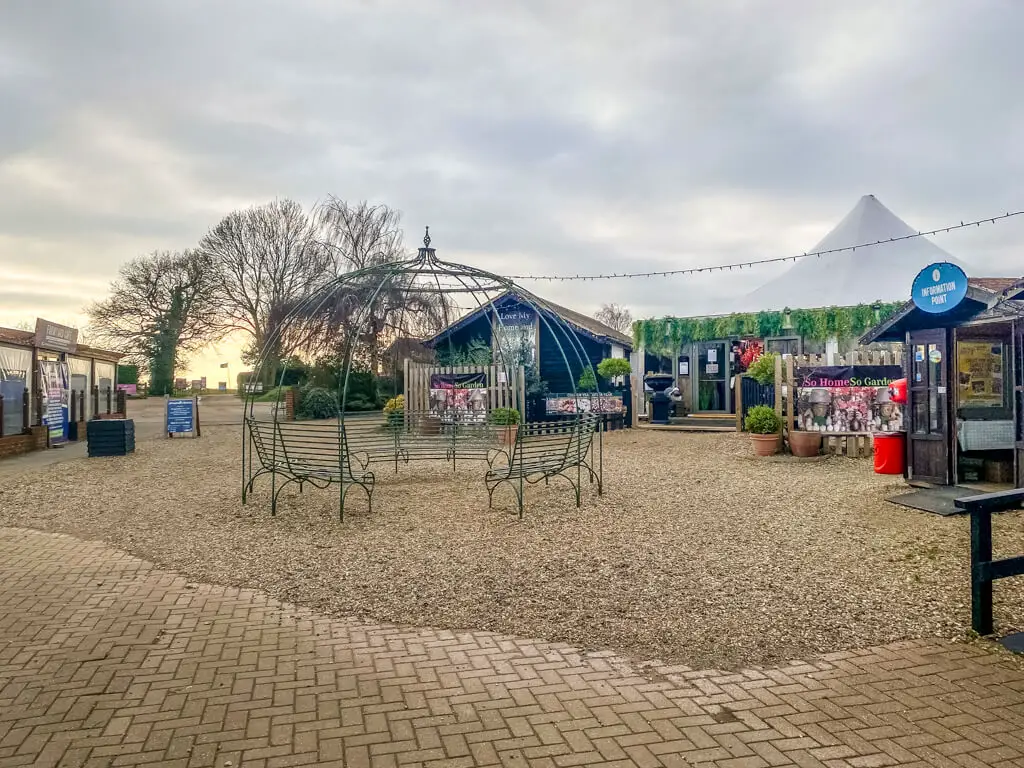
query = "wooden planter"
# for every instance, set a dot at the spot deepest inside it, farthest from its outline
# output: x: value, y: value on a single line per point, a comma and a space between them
x: 430, y: 425
x: 804, y: 443
x: 766, y: 445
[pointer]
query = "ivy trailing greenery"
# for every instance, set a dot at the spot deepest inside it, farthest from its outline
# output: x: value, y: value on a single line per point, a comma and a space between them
x: 667, y: 335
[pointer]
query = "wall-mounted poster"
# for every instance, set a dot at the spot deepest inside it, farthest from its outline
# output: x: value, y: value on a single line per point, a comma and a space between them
x: 584, y: 403
x: 980, y: 373
x: 458, y: 396
x: 848, y: 399
x: 55, y: 383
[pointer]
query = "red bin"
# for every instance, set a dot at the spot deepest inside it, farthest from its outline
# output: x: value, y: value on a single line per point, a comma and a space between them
x: 890, y: 453
x: 898, y: 391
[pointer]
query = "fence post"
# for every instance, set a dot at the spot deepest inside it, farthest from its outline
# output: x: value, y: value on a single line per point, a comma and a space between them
x: 778, y: 385
x: 738, y: 397
x: 25, y: 426
x: 122, y: 407
x: 109, y: 399
x: 1, y: 415
x: 71, y: 406
x: 981, y: 588
x: 95, y: 401
x: 791, y: 398
x: 81, y: 405
x: 39, y: 407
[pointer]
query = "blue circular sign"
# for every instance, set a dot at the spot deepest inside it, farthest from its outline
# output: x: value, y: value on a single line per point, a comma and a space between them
x: 939, y: 288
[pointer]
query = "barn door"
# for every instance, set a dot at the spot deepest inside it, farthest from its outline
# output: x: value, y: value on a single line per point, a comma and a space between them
x: 928, y: 438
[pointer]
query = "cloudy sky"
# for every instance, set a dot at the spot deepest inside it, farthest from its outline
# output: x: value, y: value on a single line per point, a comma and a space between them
x: 534, y: 137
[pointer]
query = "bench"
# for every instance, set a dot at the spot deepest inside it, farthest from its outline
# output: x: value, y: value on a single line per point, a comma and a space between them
x: 303, y: 452
x: 548, y: 449
x: 376, y: 438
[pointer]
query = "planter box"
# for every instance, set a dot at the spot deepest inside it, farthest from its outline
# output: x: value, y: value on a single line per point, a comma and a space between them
x: 111, y: 437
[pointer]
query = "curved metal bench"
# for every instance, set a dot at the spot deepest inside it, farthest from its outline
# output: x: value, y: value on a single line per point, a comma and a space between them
x: 549, y: 449
x: 303, y: 452
x: 412, y: 436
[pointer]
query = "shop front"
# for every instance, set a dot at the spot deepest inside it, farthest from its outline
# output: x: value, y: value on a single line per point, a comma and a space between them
x: 50, y: 385
x: 964, y: 364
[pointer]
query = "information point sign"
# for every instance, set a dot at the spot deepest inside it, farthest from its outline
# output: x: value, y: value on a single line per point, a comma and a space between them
x: 182, y: 416
x: 939, y: 288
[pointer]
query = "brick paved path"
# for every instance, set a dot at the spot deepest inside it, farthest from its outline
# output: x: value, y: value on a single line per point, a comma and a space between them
x: 107, y: 661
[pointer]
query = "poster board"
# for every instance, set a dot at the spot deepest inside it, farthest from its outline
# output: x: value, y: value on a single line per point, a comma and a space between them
x: 54, y: 381
x: 980, y: 374
x: 182, y: 417
x: 560, y: 405
x: 847, y: 399
x: 458, y: 396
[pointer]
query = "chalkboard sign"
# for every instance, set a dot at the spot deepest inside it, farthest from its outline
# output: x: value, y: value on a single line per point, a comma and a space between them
x: 183, y: 416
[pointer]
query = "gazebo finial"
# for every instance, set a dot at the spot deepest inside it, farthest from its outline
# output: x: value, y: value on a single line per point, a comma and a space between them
x: 426, y: 238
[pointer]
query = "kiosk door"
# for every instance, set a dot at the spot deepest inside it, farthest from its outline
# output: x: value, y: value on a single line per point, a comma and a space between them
x: 928, y: 436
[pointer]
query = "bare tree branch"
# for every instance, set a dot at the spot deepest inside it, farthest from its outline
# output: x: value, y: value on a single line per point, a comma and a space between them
x: 268, y: 258
x: 615, y: 316
x: 161, y: 307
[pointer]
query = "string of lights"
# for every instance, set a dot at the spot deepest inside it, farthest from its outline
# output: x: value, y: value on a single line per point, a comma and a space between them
x: 776, y: 260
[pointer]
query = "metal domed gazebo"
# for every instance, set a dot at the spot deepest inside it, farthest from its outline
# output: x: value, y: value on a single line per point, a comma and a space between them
x: 431, y: 397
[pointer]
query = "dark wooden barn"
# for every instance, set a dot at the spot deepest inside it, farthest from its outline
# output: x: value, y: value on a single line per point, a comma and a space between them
x: 511, y: 329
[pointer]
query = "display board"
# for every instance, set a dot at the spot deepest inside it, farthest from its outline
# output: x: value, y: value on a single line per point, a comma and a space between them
x: 980, y: 374
x: 55, y: 384
x: 182, y: 417
x: 458, y: 396
x: 583, y: 403
x: 850, y: 398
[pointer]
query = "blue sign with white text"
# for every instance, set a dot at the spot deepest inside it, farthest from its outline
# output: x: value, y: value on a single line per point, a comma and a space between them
x: 939, y: 288
x: 180, y: 416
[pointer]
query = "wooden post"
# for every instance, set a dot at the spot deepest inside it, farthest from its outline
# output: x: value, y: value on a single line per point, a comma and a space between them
x: 791, y: 399
x: 738, y: 398
x: 778, y: 385
x: 26, y: 426
x: 981, y: 588
x: 1, y: 415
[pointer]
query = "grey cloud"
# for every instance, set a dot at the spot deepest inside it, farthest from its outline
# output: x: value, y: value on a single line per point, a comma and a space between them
x: 521, y: 130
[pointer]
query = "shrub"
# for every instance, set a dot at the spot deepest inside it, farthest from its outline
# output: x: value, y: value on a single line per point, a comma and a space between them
x: 588, y: 381
x: 611, y: 367
x: 395, y: 405
x: 359, y: 403
x: 762, y: 370
x: 316, y: 403
x: 504, y: 416
x: 763, y: 420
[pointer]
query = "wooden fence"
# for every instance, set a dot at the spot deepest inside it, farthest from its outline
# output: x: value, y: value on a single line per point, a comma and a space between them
x: 852, y: 444
x: 505, y: 387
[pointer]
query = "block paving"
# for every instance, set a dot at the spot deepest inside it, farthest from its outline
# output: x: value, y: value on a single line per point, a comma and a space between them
x: 106, y: 660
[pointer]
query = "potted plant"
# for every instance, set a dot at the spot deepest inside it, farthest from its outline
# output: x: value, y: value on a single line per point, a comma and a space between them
x: 804, y: 443
x: 612, y: 368
x: 762, y: 370
x: 509, y: 419
x: 765, y: 428
x: 394, y: 412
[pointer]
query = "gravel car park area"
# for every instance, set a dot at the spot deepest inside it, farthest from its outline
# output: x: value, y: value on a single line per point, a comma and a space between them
x: 697, y: 553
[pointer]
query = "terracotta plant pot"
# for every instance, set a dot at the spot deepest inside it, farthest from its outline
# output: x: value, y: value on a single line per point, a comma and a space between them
x: 804, y: 444
x: 508, y: 434
x: 766, y: 445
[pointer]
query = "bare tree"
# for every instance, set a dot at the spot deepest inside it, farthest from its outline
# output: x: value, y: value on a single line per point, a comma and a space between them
x: 366, y: 313
x: 267, y: 258
x: 615, y: 316
x: 161, y: 307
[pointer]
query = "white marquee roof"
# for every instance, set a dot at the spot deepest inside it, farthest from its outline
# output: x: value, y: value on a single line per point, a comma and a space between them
x: 878, y: 273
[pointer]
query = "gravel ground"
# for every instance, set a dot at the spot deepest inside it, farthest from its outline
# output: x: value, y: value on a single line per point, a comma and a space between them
x: 697, y: 554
